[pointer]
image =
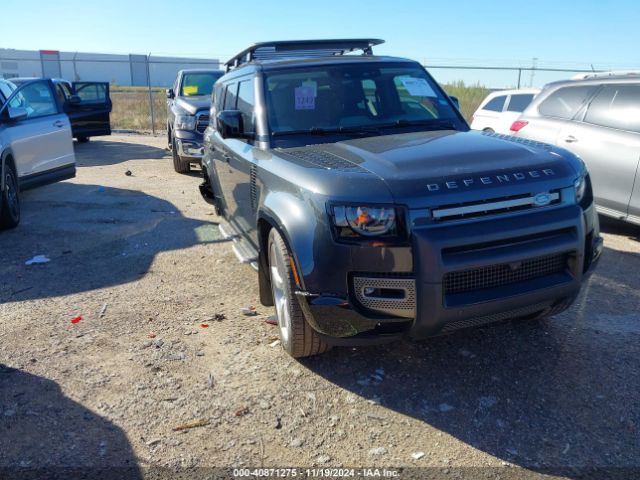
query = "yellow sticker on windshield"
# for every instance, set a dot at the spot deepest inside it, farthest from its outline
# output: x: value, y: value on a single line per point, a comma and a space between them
x: 190, y: 89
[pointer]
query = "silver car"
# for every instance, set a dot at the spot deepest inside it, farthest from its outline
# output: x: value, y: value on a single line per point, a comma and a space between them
x: 35, y: 143
x: 598, y: 119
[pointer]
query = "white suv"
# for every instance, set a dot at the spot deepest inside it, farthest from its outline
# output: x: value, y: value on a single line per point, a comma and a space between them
x: 500, y: 109
x: 35, y: 143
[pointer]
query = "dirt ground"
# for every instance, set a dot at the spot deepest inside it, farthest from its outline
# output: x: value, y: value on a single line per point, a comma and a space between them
x: 141, y: 260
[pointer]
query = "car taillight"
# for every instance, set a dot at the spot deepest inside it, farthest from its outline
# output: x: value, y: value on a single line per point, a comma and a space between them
x: 518, y: 125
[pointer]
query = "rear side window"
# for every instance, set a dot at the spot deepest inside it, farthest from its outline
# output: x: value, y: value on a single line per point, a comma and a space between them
x: 246, y: 103
x: 495, y: 104
x: 565, y: 102
x: 92, y: 92
x: 616, y: 106
x: 519, y: 102
x: 230, y: 97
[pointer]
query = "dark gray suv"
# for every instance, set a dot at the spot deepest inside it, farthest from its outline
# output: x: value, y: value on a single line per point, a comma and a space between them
x: 188, y: 104
x: 354, y: 187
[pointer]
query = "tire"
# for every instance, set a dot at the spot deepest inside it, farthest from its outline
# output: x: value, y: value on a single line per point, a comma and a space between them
x: 10, y: 206
x: 179, y: 165
x: 296, y: 335
x: 82, y: 139
x: 489, y: 130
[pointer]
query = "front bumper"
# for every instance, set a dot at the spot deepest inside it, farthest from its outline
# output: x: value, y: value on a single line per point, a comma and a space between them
x: 466, y: 274
x: 189, y: 145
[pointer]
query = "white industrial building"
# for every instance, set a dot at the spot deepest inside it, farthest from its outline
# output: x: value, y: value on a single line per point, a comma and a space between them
x: 126, y: 70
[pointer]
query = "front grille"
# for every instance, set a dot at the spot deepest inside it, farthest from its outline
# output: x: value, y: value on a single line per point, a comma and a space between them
x: 394, y: 296
x: 494, y: 206
x: 503, y: 274
x: 496, y: 317
x: 202, y: 122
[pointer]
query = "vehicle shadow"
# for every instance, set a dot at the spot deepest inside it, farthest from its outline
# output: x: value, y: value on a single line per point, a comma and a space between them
x: 44, y: 434
x: 618, y: 227
x: 111, y: 152
x: 94, y: 237
x: 555, y: 396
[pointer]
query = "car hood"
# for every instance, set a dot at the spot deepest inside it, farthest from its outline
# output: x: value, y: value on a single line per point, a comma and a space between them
x: 427, y: 168
x: 192, y: 105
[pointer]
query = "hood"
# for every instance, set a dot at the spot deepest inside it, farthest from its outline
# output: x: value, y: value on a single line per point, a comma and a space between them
x: 431, y: 168
x: 192, y: 105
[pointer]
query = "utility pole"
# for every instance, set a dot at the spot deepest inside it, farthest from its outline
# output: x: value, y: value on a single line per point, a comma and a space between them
x: 153, y: 120
x: 534, y: 63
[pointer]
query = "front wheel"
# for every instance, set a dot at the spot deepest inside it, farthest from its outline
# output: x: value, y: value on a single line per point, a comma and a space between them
x: 82, y: 139
x: 296, y: 336
x: 179, y: 165
x: 10, y: 200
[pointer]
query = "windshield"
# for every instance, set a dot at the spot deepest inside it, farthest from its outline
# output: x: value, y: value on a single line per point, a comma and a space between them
x: 343, y: 98
x: 198, y: 83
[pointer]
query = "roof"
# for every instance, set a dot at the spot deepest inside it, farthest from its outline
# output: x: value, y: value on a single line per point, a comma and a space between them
x: 599, y: 79
x: 202, y: 70
x: 298, y: 49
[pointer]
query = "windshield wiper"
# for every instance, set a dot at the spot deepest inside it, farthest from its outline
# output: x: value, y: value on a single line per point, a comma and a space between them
x: 359, y: 130
x: 433, y: 124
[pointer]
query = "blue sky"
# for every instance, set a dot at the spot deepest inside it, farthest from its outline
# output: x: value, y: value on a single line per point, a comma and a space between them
x: 505, y: 33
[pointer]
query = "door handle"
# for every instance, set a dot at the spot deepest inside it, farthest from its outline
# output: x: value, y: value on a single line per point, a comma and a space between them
x: 570, y: 139
x: 58, y: 123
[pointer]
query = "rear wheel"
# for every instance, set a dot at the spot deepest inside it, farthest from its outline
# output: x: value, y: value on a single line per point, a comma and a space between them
x: 179, y: 165
x: 10, y: 208
x: 296, y: 336
x: 82, y: 139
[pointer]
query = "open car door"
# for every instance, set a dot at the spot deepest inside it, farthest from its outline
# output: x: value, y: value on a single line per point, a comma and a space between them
x: 89, y: 108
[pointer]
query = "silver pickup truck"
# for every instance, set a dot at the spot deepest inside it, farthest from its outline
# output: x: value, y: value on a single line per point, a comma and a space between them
x: 36, y: 147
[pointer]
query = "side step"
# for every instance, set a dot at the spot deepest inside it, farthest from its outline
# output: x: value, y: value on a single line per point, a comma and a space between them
x: 228, y: 231
x: 243, y: 250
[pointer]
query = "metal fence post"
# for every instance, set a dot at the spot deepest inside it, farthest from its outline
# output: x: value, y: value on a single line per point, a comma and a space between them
x: 153, y: 117
x: 519, y: 76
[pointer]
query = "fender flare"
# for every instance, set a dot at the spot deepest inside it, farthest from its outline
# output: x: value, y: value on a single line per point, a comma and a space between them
x: 296, y: 221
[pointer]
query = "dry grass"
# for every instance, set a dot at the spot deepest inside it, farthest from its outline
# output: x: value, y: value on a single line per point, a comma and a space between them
x: 131, y: 105
x: 469, y: 96
x: 131, y: 109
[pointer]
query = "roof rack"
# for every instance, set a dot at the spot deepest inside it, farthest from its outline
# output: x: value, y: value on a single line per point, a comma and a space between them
x: 302, y: 49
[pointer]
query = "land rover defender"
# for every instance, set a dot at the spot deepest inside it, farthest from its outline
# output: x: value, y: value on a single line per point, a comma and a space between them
x: 354, y: 187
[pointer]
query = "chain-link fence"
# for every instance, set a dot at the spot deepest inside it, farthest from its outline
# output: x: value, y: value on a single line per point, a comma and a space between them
x: 138, y: 82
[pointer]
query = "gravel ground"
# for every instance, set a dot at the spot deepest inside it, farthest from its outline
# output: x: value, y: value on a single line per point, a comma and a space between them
x: 140, y: 381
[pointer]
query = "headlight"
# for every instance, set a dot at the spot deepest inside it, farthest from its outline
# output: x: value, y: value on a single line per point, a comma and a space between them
x: 580, y: 187
x: 185, y: 122
x: 584, y: 191
x: 364, y: 220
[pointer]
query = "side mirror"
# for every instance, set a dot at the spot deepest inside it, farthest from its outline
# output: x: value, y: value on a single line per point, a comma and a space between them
x: 229, y: 124
x: 169, y: 93
x: 15, y: 114
x: 455, y: 101
x: 74, y: 100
